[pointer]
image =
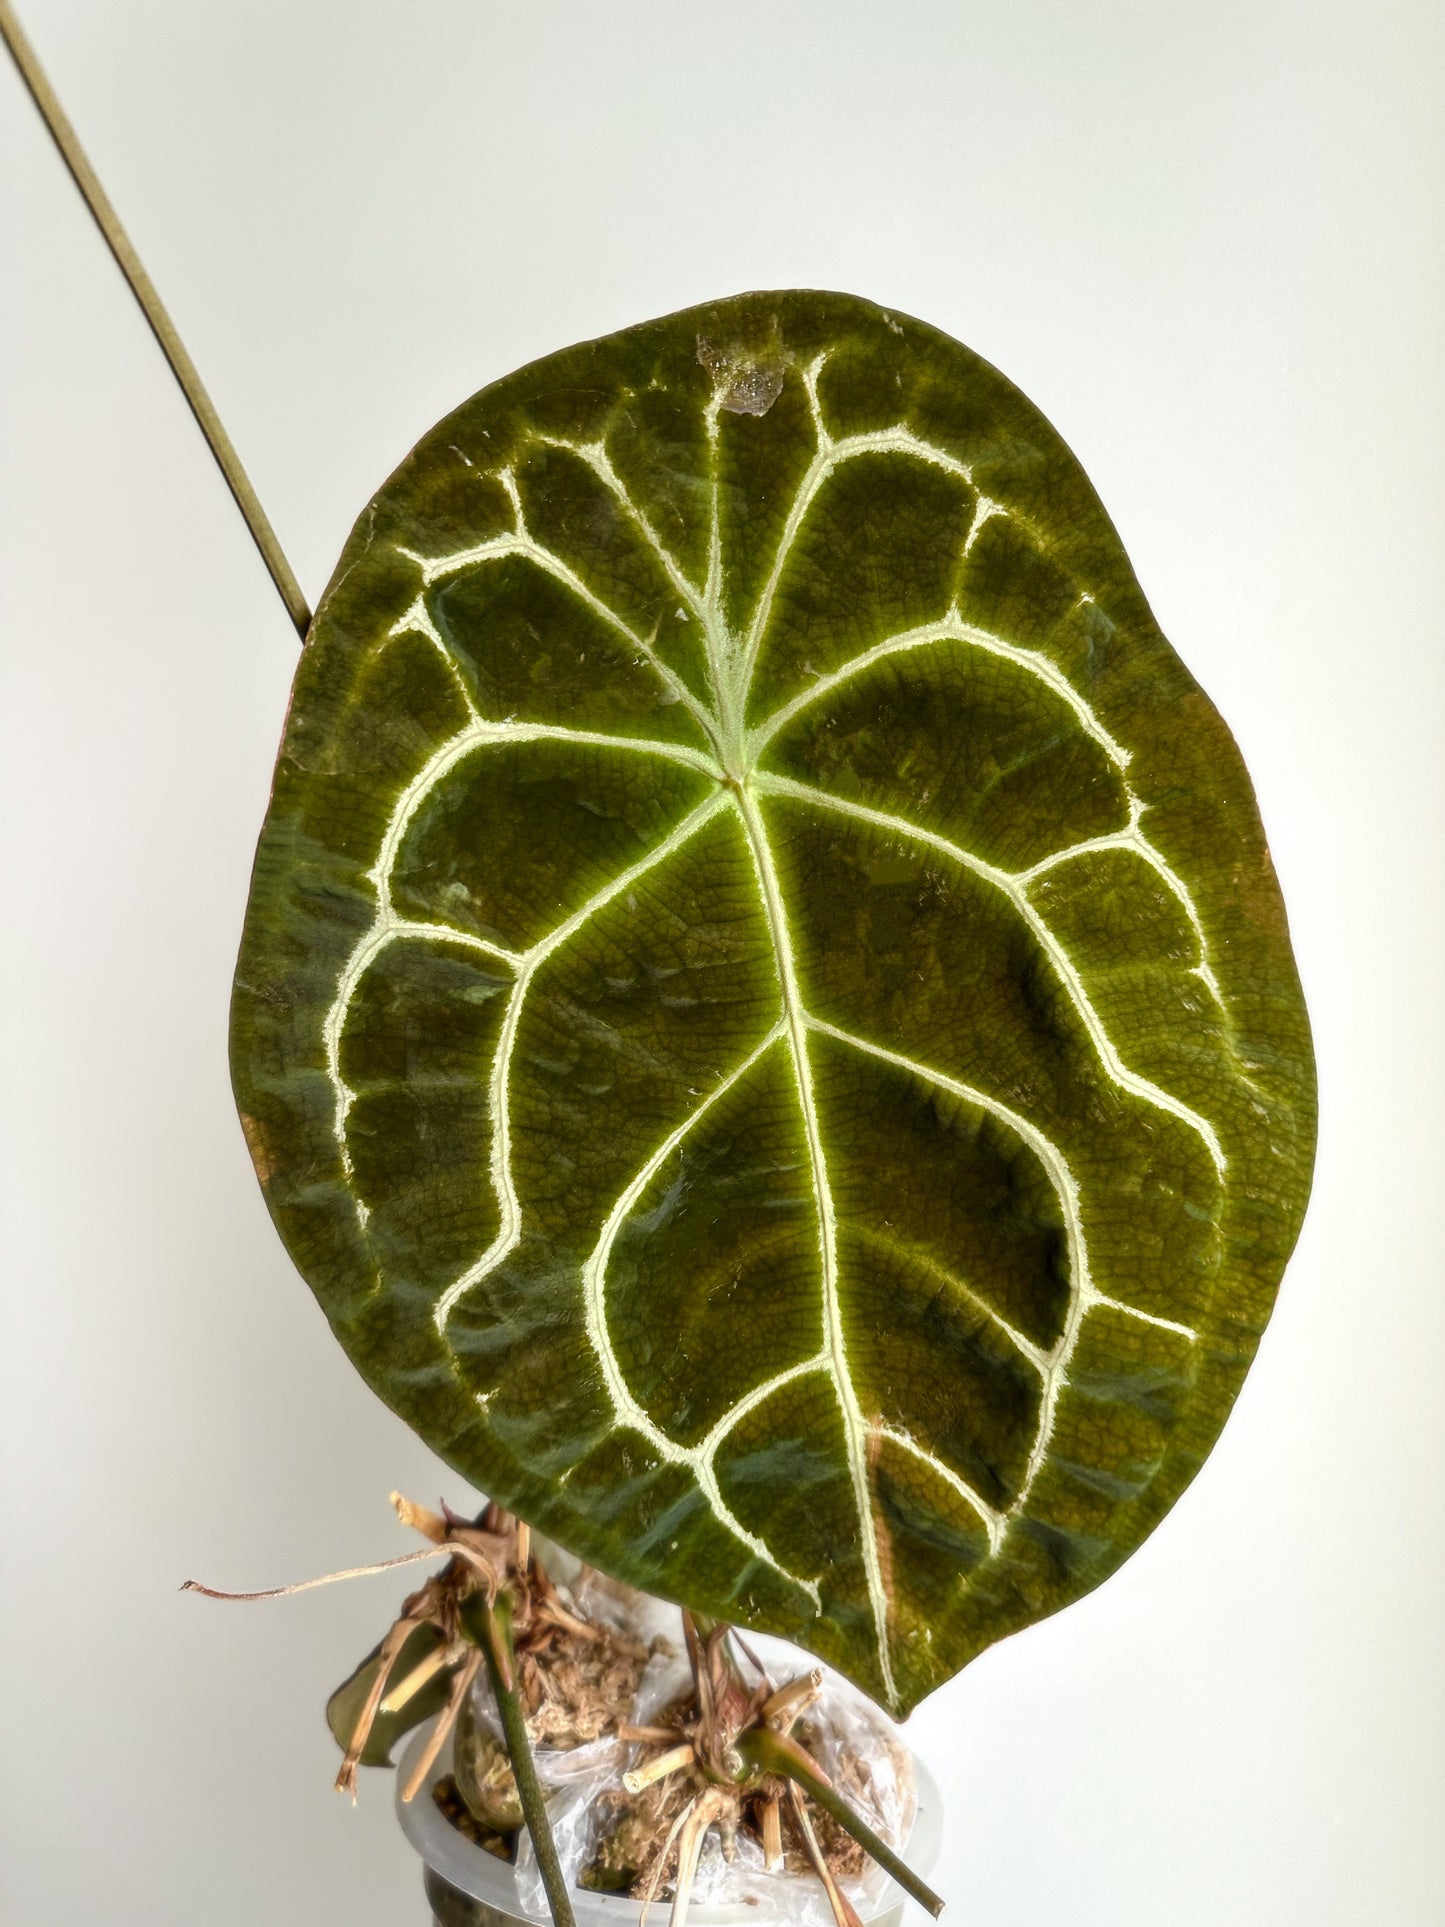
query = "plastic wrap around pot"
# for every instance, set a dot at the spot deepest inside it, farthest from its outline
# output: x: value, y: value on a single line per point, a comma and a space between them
x: 472, y: 1875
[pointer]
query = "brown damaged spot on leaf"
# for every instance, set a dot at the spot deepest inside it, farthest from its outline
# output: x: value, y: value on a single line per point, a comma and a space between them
x: 260, y: 1157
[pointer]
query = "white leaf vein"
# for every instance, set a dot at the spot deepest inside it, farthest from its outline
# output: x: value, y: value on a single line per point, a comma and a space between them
x: 1063, y: 964
x: 952, y: 628
x: 521, y: 544
x: 1084, y: 1295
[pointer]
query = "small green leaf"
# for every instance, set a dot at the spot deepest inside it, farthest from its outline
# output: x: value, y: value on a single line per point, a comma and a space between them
x: 344, y: 1707
x: 765, y: 1014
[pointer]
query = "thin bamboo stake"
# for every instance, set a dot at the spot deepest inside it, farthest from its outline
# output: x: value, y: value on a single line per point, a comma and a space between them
x: 162, y: 327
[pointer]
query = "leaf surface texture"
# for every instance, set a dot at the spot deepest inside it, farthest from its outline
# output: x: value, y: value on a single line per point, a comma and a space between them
x: 765, y: 1014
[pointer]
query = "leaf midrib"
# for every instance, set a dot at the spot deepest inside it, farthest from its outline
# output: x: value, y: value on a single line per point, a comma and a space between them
x: 835, y: 1339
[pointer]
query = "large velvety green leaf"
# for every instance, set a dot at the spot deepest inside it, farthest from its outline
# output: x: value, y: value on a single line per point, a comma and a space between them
x: 765, y: 1015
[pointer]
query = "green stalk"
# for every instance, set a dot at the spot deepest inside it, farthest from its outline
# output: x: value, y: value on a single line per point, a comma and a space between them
x: 773, y: 1752
x: 162, y: 327
x: 495, y: 1626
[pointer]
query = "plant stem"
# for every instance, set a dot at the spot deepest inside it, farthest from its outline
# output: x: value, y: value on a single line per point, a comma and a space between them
x: 496, y: 1644
x: 774, y: 1752
x: 163, y: 328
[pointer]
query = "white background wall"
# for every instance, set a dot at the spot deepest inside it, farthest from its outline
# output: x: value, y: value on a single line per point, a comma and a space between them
x: 1207, y: 241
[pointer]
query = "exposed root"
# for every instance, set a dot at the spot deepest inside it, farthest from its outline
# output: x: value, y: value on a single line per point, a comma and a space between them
x: 659, y: 1767
x: 309, y: 1585
x: 770, y: 1816
x: 390, y: 1652
x: 708, y: 1807
x: 461, y: 1686
x: 420, y: 1675
x: 727, y: 1757
x: 844, y: 1912
x: 657, y: 1872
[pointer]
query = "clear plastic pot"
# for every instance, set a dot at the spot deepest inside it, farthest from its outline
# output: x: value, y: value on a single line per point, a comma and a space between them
x: 468, y: 1887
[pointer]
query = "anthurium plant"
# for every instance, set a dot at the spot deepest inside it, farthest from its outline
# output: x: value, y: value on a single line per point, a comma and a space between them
x: 765, y: 1015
